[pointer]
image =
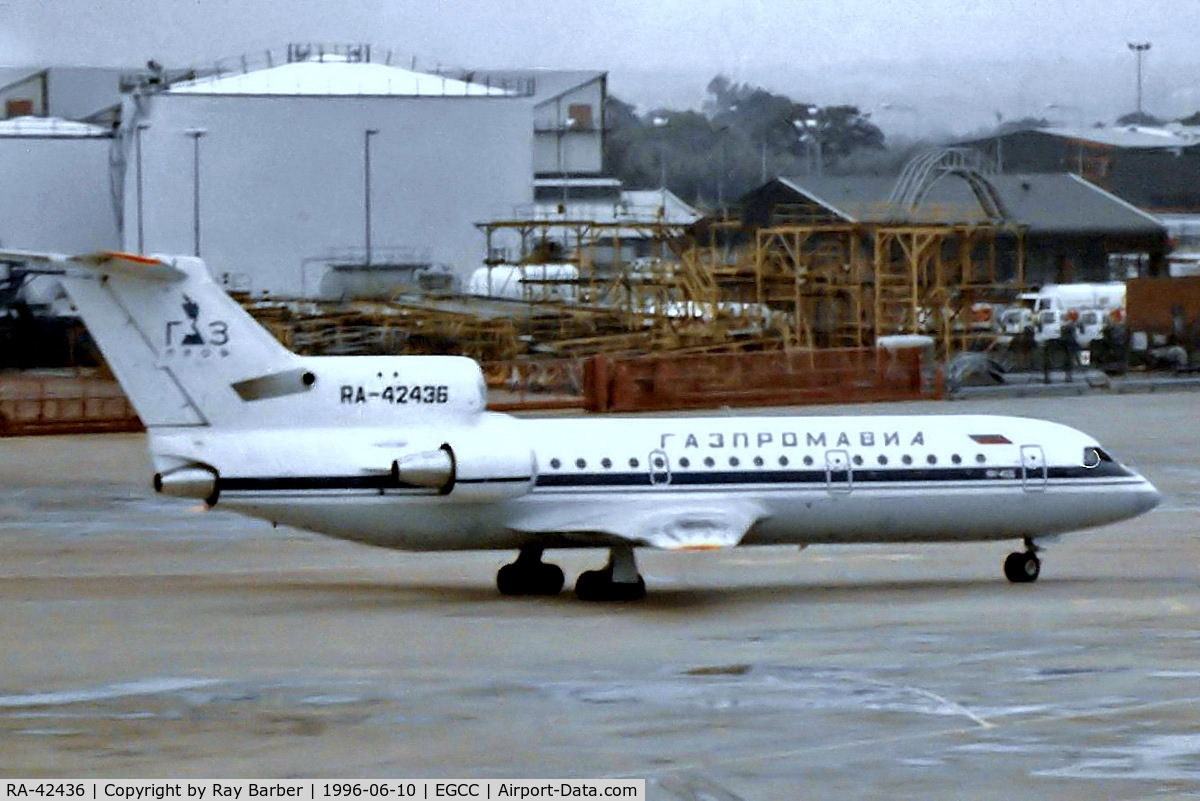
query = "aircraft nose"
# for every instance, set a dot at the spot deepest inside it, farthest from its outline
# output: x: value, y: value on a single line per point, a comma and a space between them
x: 1148, y: 497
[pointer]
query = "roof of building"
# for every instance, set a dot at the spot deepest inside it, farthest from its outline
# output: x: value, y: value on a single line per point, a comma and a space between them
x: 549, y: 84
x: 1133, y: 136
x: 1126, y: 136
x: 1047, y: 202
x: 675, y: 210
x: 335, y: 74
x: 50, y: 128
x: 636, y: 207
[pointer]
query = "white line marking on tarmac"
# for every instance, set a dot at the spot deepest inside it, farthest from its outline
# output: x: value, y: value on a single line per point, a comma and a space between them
x: 105, y: 693
x: 873, y: 741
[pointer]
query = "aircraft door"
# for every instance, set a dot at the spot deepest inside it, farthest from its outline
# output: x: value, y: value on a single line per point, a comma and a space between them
x: 839, y: 476
x: 659, y: 465
x: 1033, y: 468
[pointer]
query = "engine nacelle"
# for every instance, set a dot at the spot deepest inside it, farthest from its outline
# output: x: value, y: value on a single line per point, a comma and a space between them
x: 479, y: 471
x: 193, y: 481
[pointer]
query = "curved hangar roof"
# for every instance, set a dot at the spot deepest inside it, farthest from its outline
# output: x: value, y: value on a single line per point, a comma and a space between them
x: 334, y: 75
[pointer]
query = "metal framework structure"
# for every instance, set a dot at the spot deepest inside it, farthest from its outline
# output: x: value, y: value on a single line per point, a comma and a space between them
x: 720, y: 287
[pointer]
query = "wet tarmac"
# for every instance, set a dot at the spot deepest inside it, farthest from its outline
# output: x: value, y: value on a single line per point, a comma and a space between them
x: 142, y: 637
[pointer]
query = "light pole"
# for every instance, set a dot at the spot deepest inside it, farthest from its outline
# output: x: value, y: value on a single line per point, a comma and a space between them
x: 1139, y: 49
x: 195, y: 134
x: 141, y: 237
x: 564, y: 125
x: 367, y: 134
x: 661, y: 122
x: 810, y: 130
x: 721, y: 180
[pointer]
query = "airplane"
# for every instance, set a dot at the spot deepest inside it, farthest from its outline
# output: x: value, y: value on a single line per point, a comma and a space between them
x: 401, y: 452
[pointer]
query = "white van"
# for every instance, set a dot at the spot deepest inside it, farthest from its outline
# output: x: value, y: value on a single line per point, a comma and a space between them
x: 1091, y: 307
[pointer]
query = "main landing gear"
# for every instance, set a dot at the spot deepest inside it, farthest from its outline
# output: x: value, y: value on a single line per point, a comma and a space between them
x: 1022, y: 568
x: 619, y: 580
x: 529, y: 575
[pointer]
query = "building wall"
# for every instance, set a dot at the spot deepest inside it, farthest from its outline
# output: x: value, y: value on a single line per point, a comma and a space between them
x: 574, y: 123
x: 1163, y: 179
x: 282, y: 179
x: 55, y: 194
x: 1158, y: 179
x: 77, y: 92
x: 24, y: 94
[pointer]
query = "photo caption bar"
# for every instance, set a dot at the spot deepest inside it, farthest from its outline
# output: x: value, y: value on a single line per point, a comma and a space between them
x: 314, y: 789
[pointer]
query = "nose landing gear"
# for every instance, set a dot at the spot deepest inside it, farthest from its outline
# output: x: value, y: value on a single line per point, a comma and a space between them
x: 1023, y: 568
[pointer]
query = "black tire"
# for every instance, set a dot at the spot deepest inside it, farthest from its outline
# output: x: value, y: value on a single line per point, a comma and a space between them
x: 526, y: 579
x: 628, y: 592
x: 591, y: 584
x: 1022, y: 568
x: 512, y: 580
x: 550, y: 579
x: 597, y: 585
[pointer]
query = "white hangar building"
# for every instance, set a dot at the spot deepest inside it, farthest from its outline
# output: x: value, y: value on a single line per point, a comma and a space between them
x: 284, y: 157
x: 269, y: 166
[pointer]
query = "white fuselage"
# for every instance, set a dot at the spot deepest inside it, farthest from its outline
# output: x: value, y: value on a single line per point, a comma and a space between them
x: 807, y: 479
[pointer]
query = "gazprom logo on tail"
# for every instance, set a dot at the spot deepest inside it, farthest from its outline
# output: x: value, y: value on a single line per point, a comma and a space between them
x: 192, y: 336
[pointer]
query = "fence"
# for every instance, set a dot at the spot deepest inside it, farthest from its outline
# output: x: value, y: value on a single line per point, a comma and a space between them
x: 63, y: 405
x: 768, y: 378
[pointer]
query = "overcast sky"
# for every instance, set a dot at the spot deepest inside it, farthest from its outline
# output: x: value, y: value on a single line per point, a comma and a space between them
x: 945, y: 57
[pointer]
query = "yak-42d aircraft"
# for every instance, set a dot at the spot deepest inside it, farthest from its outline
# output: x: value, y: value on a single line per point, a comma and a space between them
x: 399, y: 452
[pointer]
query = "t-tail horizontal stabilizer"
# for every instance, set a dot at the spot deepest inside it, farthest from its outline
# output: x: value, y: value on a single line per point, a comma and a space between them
x: 179, y: 345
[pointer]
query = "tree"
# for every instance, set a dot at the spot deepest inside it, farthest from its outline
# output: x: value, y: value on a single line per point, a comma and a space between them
x: 742, y: 132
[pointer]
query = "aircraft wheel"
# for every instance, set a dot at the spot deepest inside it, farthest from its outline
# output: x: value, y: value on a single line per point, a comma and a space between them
x: 597, y: 585
x: 510, y: 580
x: 537, y: 579
x: 550, y: 580
x: 1022, y: 568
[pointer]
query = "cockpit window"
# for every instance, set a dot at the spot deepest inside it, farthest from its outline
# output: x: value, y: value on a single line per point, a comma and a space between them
x: 1093, y: 456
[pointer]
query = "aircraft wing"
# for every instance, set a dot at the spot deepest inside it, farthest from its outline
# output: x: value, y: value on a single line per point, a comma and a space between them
x: 674, y: 526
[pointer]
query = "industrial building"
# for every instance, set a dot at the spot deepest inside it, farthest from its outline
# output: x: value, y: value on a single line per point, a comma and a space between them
x: 57, y: 186
x: 1069, y: 227
x: 1157, y: 169
x: 321, y: 171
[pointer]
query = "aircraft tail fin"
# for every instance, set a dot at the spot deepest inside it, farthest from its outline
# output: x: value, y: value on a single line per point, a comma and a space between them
x: 177, y: 343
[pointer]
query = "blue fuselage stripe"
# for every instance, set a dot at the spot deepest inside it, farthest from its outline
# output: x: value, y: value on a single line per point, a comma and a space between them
x: 692, y: 478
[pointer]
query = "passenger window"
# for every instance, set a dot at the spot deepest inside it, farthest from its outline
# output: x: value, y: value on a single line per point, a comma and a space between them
x: 858, y: 460
x: 783, y: 461
x: 555, y: 463
x: 658, y: 461
x: 606, y: 462
x: 980, y: 458
x: 683, y: 461
x: 733, y: 461
x: 931, y: 459
x: 882, y: 459
x: 956, y: 459
x: 758, y: 461
x: 633, y: 462
x: 581, y: 463
x: 906, y: 459
x: 708, y: 461
x: 808, y: 460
